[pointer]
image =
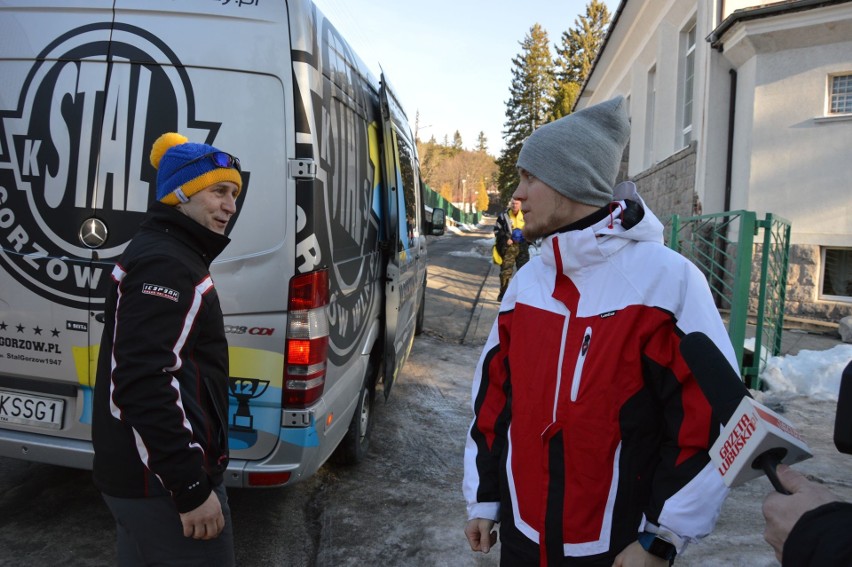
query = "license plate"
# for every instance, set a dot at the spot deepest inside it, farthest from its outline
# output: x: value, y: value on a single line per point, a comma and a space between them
x: 31, y: 410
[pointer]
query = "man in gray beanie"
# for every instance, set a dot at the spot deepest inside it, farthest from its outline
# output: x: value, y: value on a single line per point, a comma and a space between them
x: 589, y: 440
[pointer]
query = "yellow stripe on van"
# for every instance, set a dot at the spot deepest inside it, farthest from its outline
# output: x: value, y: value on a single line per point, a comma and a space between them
x: 373, y: 140
x: 86, y: 363
x: 245, y: 362
x: 255, y: 363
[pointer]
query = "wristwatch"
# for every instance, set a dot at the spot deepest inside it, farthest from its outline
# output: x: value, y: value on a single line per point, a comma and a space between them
x: 655, y: 545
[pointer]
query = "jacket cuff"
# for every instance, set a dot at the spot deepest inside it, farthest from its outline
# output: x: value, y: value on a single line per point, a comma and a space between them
x: 485, y: 510
x: 666, y: 534
x: 192, y: 495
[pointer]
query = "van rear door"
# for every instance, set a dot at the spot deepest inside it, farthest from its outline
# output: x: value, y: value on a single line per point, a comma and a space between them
x: 402, y: 234
x: 184, y: 66
x: 51, y: 280
x: 87, y: 87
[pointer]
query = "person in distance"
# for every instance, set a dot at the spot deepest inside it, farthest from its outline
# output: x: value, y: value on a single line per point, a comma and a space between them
x: 512, y: 247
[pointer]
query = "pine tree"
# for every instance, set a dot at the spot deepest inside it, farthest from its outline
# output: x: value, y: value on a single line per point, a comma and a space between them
x: 576, y: 54
x: 457, y: 141
x: 482, y: 142
x: 530, y: 102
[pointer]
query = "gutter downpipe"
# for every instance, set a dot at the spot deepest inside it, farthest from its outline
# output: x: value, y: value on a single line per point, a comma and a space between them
x: 729, y: 158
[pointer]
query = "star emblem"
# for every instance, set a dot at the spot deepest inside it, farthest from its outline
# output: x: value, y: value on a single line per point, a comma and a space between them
x: 55, y: 332
x: 37, y: 330
x: 3, y: 325
x: 21, y: 328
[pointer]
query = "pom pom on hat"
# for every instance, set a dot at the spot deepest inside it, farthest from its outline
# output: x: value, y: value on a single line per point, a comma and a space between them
x: 579, y: 155
x: 182, y: 171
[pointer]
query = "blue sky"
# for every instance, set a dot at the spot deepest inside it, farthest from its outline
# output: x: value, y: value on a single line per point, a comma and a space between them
x: 450, y: 59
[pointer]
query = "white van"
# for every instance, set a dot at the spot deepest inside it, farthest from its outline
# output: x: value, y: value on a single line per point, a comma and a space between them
x: 323, y: 283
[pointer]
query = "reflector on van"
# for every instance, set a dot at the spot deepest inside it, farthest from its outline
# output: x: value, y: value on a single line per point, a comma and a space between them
x: 307, y: 339
x: 268, y: 479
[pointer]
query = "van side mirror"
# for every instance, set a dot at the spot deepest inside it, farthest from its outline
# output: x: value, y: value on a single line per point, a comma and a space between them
x: 436, y: 221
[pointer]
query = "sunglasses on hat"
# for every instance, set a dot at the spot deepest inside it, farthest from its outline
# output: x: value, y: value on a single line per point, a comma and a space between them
x: 219, y: 159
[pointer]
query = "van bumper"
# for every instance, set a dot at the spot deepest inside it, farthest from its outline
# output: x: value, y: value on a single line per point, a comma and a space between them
x: 253, y: 474
x: 74, y: 453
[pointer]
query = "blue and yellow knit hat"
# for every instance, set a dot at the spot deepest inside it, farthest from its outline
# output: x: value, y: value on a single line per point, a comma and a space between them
x: 182, y: 170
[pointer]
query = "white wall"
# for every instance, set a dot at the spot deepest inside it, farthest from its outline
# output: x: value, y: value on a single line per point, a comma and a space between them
x: 787, y: 159
x: 790, y: 158
x: 802, y: 166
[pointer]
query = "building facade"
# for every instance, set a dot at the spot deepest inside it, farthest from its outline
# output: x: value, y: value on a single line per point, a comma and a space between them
x: 738, y: 105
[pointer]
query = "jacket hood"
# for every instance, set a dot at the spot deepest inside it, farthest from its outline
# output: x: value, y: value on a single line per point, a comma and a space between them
x: 594, y: 244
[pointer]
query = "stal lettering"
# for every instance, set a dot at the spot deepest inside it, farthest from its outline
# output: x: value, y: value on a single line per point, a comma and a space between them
x: 79, y: 146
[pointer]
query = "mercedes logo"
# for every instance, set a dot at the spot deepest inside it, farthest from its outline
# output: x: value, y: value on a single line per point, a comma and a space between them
x: 93, y: 233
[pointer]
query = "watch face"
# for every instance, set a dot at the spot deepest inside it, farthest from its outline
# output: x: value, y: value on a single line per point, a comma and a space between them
x: 662, y: 548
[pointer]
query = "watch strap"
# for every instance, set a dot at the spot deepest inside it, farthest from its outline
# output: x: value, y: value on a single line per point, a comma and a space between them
x: 655, y: 545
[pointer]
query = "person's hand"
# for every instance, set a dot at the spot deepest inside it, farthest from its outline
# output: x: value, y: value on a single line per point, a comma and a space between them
x: 204, y: 522
x: 783, y: 511
x: 479, y: 534
x: 634, y: 555
x: 510, y: 242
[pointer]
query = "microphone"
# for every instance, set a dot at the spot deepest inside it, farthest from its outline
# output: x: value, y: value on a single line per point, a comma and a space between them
x: 843, y: 417
x: 754, y: 439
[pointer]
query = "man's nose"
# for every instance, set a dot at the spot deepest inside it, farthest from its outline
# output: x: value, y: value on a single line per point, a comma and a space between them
x: 230, y: 204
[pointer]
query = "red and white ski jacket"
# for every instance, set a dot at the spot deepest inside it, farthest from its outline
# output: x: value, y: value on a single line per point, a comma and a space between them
x: 588, y: 425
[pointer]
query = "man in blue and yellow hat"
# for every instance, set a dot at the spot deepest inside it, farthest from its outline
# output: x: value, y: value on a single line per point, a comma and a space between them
x: 160, y: 405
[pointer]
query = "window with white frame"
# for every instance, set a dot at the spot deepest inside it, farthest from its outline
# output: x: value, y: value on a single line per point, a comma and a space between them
x: 687, y: 83
x: 836, y: 274
x: 840, y: 96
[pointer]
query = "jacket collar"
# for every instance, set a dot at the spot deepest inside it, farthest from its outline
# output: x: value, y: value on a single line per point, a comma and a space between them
x: 167, y: 219
x: 593, y: 239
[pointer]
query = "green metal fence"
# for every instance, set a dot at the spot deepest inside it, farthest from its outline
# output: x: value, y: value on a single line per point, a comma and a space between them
x: 747, y: 274
x: 434, y: 199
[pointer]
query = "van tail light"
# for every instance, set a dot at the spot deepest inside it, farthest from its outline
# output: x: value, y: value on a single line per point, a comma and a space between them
x: 307, y: 339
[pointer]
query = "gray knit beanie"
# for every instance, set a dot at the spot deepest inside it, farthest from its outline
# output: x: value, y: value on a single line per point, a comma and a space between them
x: 579, y: 155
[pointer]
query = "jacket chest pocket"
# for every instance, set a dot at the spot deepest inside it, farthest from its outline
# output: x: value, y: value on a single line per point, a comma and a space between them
x: 578, y: 366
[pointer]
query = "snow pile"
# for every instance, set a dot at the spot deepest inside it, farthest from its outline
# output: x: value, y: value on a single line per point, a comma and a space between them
x: 815, y: 374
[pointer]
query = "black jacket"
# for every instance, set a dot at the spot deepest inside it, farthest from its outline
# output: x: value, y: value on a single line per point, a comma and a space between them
x: 821, y: 538
x: 161, y: 396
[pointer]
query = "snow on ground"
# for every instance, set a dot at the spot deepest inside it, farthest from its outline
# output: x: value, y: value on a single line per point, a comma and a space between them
x: 815, y: 374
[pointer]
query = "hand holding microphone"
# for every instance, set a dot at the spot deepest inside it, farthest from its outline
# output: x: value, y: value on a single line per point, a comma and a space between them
x: 806, y: 524
x: 782, y: 511
x: 754, y: 439
x: 813, y: 526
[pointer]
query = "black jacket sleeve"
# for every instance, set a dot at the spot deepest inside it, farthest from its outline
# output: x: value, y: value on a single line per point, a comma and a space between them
x: 502, y: 231
x: 821, y: 538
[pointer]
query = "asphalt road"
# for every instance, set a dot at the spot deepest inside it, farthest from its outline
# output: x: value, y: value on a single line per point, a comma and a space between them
x: 401, y: 507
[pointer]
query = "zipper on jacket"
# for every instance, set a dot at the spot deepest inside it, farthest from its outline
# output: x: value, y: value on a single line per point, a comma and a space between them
x: 581, y: 360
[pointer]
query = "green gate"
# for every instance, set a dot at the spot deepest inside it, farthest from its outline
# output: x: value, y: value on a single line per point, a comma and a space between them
x: 747, y: 276
x: 434, y: 199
